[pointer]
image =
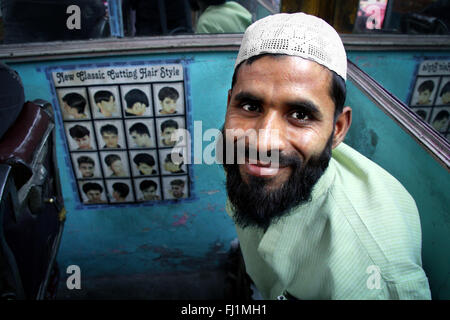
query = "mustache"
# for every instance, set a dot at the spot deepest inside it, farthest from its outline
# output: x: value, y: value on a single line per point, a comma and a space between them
x: 248, y: 153
x: 282, y: 159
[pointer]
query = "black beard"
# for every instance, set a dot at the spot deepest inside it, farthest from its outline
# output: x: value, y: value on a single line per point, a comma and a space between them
x: 254, y: 205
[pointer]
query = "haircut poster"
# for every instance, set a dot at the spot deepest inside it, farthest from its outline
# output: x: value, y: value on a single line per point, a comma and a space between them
x: 430, y: 94
x: 118, y: 124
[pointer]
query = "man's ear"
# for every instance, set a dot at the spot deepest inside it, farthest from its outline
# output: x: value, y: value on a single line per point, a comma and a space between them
x: 343, y: 122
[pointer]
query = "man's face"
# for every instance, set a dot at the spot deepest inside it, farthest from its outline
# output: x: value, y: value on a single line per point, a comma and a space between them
x: 171, y: 167
x: 424, y: 97
x: 84, y: 142
x: 446, y: 98
x: 71, y: 111
x: 137, y: 109
x: 86, y: 169
x: 111, y: 139
x: 94, y: 195
x: 149, y: 193
x: 166, y: 136
x: 177, y: 191
x: 116, y: 196
x: 141, y: 140
x: 145, y: 168
x: 289, y: 95
x: 107, y: 108
x: 169, y: 105
x: 117, y: 168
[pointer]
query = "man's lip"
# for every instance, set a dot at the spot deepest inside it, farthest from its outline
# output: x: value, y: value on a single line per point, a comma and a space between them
x: 263, y: 164
x: 261, y: 169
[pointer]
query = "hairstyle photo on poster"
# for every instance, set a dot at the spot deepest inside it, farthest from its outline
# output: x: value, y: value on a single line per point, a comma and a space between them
x: 92, y: 192
x: 424, y: 91
x: 120, y: 190
x: 86, y: 165
x: 440, y: 118
x: 147, y: 189
x: 171, y: 164
x: 168, y: 98
x: 110, y: 134
x: 166, y: 128
x: 80, y: 136
x: 105, y: 102
x: 115, y: 164
x: 444, y: 92
x: 175, y: 187
x: 140, y: 133
x: 136, y: 101
x: 144, y: 163
x: 74, y: 103
x: 423, y: 113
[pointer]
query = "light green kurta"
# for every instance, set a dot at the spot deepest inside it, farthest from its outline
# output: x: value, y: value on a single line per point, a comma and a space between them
x: 360, y: 220
x: 229, y: 17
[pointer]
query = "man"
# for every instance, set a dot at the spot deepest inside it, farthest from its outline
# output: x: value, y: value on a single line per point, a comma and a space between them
x: 322, y: 221
x: 176, y: 188
x: 425, y: 90
x: 170, y: 166
x: 144, y: 163
x: 137, y: 102
x: 74, y: 105
x: 86, y: 166
x: 82, y: 137
x: 221, y: 16
x: 110, y: 136
x: 120, y: 191
x: 445, y: 93
x: 105, y: 102
x: 93, y: 192
x: 168, y: 128
x: 140, y: 135
x: 114, y: 163
x: 441, y: 120
x: 168, y: 97
x: 148, y: 188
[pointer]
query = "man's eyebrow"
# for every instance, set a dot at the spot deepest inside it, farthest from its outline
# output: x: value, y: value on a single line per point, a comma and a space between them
x: 247, y: 96
x: 305, y: 105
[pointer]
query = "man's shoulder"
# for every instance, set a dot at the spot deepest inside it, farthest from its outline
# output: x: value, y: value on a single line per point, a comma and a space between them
x: 373, y: 194
x: 360, y: 177
x: 372, y: 202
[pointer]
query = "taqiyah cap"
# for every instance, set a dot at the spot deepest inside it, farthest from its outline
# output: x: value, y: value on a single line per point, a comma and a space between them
x: 295, y: 34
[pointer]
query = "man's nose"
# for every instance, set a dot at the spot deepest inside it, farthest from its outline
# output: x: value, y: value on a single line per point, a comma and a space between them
x: 271, y: 131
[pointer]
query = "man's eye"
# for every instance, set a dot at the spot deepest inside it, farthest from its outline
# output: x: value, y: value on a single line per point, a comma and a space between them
x: 250, y: 108
x: 299, y: 115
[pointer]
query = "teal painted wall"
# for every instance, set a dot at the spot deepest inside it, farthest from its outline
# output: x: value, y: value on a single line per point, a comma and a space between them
x: 197, y: 234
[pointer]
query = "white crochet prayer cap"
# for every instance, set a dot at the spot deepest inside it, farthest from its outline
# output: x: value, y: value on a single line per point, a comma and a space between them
x: 295, y: 34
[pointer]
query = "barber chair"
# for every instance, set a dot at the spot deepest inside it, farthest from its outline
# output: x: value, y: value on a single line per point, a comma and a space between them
x: 31, y: 208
